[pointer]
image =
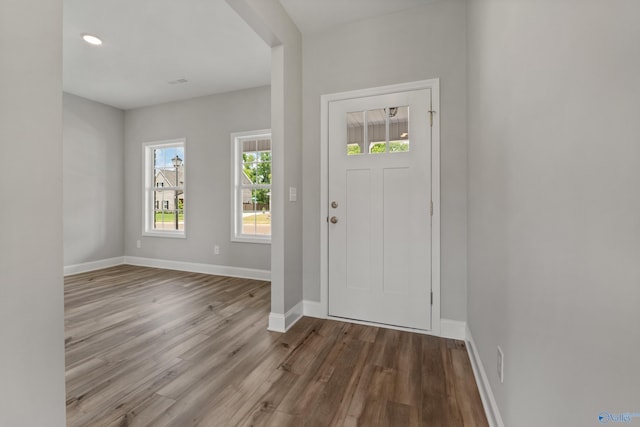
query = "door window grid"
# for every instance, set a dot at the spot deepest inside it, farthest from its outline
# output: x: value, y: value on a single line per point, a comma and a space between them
x: 386, y: 131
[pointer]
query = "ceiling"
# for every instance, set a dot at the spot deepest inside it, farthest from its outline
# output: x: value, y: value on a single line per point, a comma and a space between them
x: 149, y: 43
x: 157, y: 51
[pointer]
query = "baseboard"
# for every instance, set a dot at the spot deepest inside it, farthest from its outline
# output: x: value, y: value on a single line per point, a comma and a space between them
x: 314, y: 309
x: 486, y: 394
x: 282, y: 322
x: 276, y: 322
x: 454, y: 329
x: 86, y: 267
x: 192, y: 267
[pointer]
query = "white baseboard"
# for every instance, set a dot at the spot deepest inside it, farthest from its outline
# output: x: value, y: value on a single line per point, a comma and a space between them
x: 486, y: 394
x: 276, y: 322
x: 314, y: 309
x: 453, y: 329
x: 86, y: 267
x: 282, y: 322
x: 192, y: 267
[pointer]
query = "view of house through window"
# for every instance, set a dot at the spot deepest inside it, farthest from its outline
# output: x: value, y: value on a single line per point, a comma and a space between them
x: 165, y: 187
x: 252, y: 186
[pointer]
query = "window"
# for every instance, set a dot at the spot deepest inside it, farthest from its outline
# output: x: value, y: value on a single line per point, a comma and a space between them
x: 251, y: 186
x: 386, y: 131
x: 164, y: 188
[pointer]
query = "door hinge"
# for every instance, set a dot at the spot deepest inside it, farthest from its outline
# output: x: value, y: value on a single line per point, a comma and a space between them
x: 431, y: 298
x: 431, y: 208
x: 431, y: 113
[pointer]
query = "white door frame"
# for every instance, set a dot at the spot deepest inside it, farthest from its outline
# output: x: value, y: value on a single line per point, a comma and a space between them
x: 434, y: 85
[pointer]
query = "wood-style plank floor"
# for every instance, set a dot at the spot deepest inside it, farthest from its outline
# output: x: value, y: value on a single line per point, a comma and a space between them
x: 151, y: 347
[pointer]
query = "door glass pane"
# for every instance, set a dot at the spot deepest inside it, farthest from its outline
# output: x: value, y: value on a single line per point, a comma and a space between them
x: 399, y: 130
x: 377, y: 131
x: 355, y: 133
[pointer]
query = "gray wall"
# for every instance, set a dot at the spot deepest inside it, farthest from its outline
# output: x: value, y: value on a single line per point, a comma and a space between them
x: 554, y: 230
x: 418, y: 44
x: 31, y: 293
x: 206, y: 123
x: 93, y: 169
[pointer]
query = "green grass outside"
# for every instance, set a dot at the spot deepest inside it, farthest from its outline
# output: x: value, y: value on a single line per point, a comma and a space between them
x: 258, y: 219
x: 169, y: 217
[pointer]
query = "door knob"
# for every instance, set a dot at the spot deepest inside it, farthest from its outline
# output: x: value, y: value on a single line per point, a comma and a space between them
x: 334, y: 220
x: 334, y: 205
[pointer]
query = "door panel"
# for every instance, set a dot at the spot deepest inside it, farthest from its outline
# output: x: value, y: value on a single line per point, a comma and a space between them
x: 396, y: 231
x: 380, y: 228
x: 358, y: 229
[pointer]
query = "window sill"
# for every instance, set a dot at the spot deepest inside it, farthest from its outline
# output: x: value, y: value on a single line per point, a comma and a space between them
x: 180, y: 235
x: 259, y: 240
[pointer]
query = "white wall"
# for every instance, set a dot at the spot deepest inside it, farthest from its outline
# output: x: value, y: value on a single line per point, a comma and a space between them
x: 93, y: 172
x: 418, y: 44
x: 31, y: 293
x: 554, y: 230
x: 206, y: 123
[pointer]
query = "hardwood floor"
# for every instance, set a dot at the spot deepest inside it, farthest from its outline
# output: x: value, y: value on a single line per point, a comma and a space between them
x: 150, y: 347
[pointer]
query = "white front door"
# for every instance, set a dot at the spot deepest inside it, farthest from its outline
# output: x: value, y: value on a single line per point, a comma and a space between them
x: 380, y: 209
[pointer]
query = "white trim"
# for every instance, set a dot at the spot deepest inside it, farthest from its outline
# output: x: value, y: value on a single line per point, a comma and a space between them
x: 192, y: 267
x: 486, y: 394
x: 276, y: 322
x: 257, y: 240
x: 167, y: 234
x: 453, y: 329
x: 314, y: 309
x: 283, y: 322
x: 147, y: 180
x: 434, y: 86
x: 236, y: 215
x: 86, y: 267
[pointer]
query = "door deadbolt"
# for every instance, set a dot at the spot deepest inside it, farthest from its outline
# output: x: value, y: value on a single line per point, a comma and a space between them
x: 334, y: 220
x: 334, y: 205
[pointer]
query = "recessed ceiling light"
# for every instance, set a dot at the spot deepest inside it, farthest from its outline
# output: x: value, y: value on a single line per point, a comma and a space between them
x: 91, y: 39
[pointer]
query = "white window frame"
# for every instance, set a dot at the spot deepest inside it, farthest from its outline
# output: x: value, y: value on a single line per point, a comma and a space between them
x: 236, y: 186
x: 148, y: 188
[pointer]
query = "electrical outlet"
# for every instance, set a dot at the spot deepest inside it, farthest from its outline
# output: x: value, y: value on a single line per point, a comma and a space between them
x: 500, y: 365
x: 138, y: 244
x: 216, y: 250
